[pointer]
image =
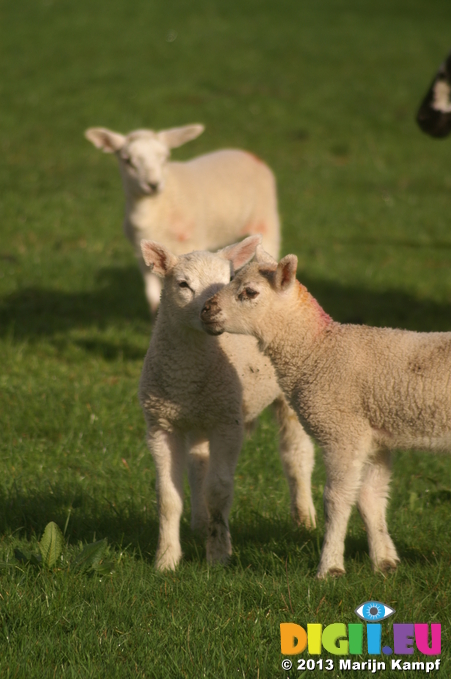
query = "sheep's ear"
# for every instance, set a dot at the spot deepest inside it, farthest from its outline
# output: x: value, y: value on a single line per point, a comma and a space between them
x: 158, y: 257
x: 176, y: 136
x: 106, y: 140
x: 286, y: 272
x: 263, y: 257
x: 240, y: 253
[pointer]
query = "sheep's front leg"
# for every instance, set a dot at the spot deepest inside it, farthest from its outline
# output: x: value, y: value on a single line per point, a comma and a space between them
x: 297, y: 454
x: 198, y: 459
x: 225, y: 446
x: 168, y: 451
x: 344, y: 468
x: 372, y: 505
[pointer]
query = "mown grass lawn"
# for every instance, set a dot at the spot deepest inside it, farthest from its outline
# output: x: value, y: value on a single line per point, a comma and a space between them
x: 326, y: 93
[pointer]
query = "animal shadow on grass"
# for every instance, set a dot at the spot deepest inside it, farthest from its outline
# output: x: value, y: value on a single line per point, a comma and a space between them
x: 25, y: 513
x: 36, y: 313
x: 48, y: 313
x: 256, y: 541
x: 262, y: 539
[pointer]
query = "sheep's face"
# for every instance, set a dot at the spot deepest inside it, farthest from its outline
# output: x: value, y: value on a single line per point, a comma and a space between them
x: 247, y: 304
x: 189, y: 280
x: 142, y: 154
x: 142, y: 159
x: 194, y: 279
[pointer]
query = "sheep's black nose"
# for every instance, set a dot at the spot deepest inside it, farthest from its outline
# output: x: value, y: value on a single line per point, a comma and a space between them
x: 207, y: 307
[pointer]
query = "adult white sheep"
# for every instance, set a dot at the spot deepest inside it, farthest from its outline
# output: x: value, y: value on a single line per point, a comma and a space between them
x: 202, y: 204
x: 359, y: 391
x: 198, y: 394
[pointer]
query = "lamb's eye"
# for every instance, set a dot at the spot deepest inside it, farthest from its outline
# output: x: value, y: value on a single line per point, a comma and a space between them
x: 183, y: 284
x: 248, y: 293
x: 128, y: 161
x: 251, y: 293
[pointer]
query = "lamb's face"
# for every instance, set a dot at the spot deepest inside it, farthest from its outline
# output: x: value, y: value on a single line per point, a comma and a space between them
x: 189, y: 280
x: 248, y: 305
x: 194, y: 279
x: 240, y: 306
x: 142, y: 154
x: 141, y: 160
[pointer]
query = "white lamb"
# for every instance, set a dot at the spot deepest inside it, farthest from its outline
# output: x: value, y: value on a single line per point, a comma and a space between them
x: 199, y: 393
x: 202, y: 204
x: 360, y: 391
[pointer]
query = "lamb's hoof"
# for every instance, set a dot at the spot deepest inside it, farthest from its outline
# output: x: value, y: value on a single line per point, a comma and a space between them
x: 219, y: 552
x: 219, y: 544
x: 302, y: 520
x: 335, y: 572
x: 166, y: 561
x: 222, y: 560
x: 386, y: 566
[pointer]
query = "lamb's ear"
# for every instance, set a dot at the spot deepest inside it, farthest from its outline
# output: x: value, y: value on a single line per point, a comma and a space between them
x: 286, y: 272
x: 176, y: 136
x: 158, y: 257
x: 240, y: 253
x: 263, y: 257
x: 106, y: 140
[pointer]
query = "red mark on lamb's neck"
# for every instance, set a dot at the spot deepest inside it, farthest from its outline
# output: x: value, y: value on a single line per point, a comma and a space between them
x: 307, y: 300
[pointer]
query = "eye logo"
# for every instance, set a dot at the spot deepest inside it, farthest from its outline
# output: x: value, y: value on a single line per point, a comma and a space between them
x: 374, y: 611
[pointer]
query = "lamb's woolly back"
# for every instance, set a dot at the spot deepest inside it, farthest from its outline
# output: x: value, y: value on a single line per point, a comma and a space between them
x: 360, y: 391
x: 201, y: 204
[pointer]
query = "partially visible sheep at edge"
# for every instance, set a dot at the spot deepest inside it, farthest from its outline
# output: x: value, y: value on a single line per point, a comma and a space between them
x: 361, y: 392
x: 434, y: 114
x: 199, y: 394
x: 201, y: 204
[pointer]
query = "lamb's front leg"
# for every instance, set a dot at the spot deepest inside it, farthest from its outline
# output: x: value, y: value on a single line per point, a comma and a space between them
x: 225, y: 446
x: 168, y: 451
x: 344, y: 469
x: 297, y: 454
x: 198, y: 460
x: 372, y: 504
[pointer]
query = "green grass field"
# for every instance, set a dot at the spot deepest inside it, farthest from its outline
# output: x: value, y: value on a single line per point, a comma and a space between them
x: 326, y: 93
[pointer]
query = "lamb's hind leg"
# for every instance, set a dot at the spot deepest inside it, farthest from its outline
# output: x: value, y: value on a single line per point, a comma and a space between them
x: 225, y: 446
x: 298, y: 458
x: 372, y: 504
x: 168, y: 451
x: 198, y: 460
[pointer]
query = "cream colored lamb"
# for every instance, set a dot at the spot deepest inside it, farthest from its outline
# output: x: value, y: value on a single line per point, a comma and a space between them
x: 360, y: 391
x: 198, y: 394
x: 202, y: 204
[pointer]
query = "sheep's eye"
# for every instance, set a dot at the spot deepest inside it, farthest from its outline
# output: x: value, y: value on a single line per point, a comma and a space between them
x: 127, y: 161
x: 248, y: 293
x: 183, y: 284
